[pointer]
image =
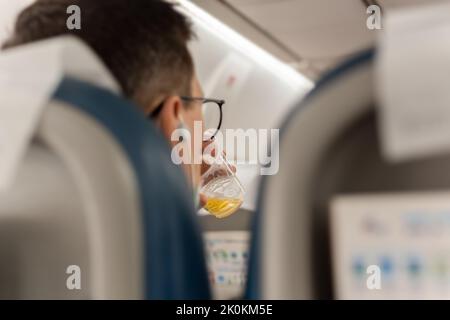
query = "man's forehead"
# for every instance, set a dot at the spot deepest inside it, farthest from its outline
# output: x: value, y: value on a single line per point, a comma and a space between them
x: 197, y: 87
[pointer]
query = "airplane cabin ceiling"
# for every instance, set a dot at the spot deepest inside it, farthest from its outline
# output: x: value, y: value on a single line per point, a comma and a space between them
x: 312, y: 35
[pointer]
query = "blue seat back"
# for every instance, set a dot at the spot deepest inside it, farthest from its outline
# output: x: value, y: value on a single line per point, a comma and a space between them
x: 256, y: 276
x: 174, y: 261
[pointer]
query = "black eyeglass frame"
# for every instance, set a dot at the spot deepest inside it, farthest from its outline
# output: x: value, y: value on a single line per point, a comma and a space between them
x: 218, y: 102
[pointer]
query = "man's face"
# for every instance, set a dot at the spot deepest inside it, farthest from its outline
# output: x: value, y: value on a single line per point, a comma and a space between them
x: 193, y: 113
x: 193, y: 109
x: 178, y: 113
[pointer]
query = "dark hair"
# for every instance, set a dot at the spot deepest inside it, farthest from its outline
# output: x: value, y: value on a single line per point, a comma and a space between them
x: 142, y: 42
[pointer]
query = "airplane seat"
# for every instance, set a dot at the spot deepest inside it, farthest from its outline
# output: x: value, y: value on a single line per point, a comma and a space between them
x: 173, y: 248
x: 284, y: 232
x: 329, y: 146
x: 97, y: 198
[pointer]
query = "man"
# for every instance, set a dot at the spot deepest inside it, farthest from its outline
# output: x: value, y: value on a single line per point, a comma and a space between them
x: 144, y: 45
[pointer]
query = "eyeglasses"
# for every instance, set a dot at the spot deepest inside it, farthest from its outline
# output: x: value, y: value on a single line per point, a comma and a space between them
x: 211, y: 109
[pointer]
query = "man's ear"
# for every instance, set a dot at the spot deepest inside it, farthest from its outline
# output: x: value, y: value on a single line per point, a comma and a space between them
x: 169, y: 118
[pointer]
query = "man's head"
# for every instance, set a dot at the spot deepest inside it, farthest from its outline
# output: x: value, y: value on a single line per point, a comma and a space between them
x: 142, y: 42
